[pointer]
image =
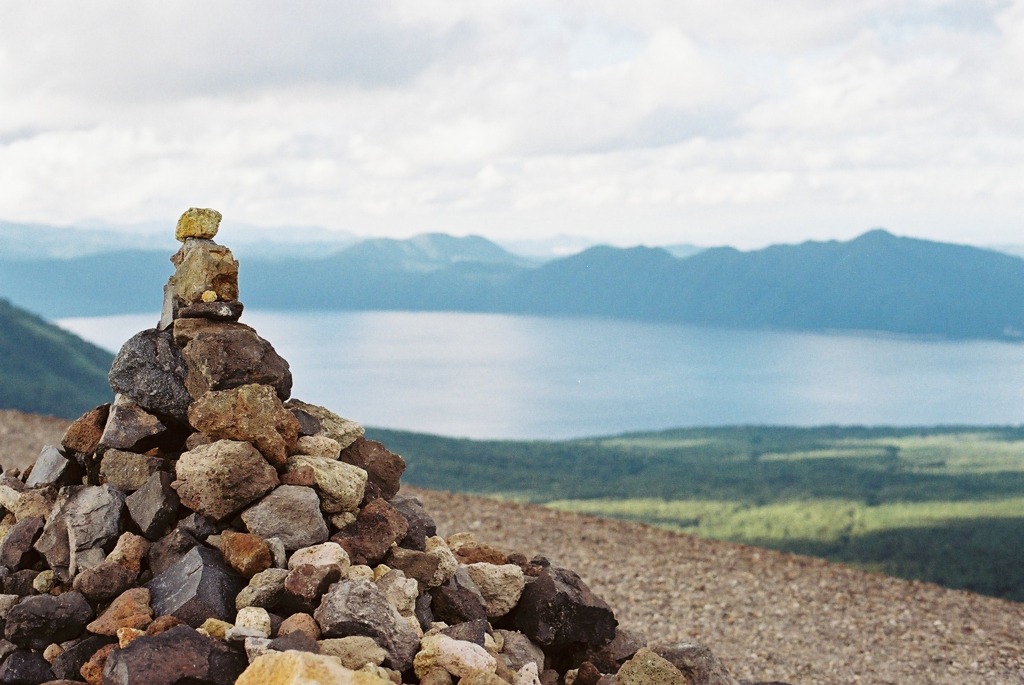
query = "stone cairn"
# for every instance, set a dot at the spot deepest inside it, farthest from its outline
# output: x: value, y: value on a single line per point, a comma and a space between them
x: 204, y: 528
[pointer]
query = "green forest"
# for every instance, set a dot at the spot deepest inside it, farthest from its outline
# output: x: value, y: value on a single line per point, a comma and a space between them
x: 942, y: 504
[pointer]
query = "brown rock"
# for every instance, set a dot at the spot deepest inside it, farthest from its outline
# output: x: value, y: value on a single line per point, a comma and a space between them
x: 306, y: 584
x: 130, y: 610
x: 250, y: 413
x: 299, y: 623
x: 204, y: 266
x: 302, y: 475
x: 220, y: 356
x: 83, y: 435
x: 219, y: 479
x: 477, y: 552
x: 92, y: 671
x: 376, y: 528
x: 246, y: 553
x: 384, y: 468
x: 419, y: 565
x: 587, y: 674
x: 127, y: 471
x: 161, y: 624
x: 104, y: 582
x: 696, y: 662
x: 214, y: 311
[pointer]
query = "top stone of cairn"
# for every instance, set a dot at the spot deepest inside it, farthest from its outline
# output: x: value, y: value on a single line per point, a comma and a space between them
x: 198, y: 223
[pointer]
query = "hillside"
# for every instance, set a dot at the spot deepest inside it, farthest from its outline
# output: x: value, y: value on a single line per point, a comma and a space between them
x: 877, y: 282
x: 47, y: 370
x: 768, y: 615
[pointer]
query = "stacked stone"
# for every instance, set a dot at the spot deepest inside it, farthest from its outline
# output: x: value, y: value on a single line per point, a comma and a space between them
x: 205, y: 527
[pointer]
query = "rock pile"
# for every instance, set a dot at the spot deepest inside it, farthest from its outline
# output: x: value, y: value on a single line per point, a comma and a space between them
x: 206, y: 528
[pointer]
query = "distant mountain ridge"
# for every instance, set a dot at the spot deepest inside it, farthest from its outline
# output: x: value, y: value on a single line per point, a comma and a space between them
x: 46, y: 370
x: 876, y: 282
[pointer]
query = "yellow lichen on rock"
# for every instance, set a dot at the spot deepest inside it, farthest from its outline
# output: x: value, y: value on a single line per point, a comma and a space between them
x: 209, y: 296
x: 304, y: 668
x: 198, y: 222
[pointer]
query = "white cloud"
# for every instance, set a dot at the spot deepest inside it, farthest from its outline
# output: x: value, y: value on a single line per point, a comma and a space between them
x: 738, y: 121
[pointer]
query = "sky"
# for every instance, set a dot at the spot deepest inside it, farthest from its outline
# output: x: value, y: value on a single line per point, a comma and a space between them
x: 738, y: 122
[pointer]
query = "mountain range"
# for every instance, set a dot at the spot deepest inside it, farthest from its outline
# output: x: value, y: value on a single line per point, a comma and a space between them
x: 876, y: 282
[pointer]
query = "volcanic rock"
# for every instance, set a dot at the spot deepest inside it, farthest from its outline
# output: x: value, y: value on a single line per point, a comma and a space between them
x: 249, y: 413
x: 696, y: 662
x: 69, y: 663
x: 83, y: 435
x: 224, y: 355
x: 196, y: 587
x: 197, y: 222
x: 376, y: 528
x: 558, y: 609
x: 23, y: 666
x: 290, y: 513
x: 459, y: 600
x: 53, y: 468
x: 219, y: 479
x: 150, y: 370
x: 39, y: 620
x: 204, y: 267
x: 647, y: 668
x: 130, y: 427
x: 357, y: 607
x: 175, y: 656
x: 127, y: 471
x: 19, y: 540
x: 421, y: 524
x: 341, y: 485
x: 130, y: 610
x: 384, y: 468
x: 154, y: 506
x: 247, y: 554
x: 501, y: 586
x: 343, y: 431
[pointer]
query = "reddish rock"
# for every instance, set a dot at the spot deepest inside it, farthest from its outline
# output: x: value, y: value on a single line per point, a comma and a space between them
x: 419, y: 565
x: 476, y: 552
x: 161, y: 624
x: 376, y: 528
x: 178, y: 655
x: 249, y: 413
x: 84, y: 433
x: 92, y: 670
x: 299, y: 623
x: 302, y: 475
x: 246, y: 553
x: 129, y: 551
x: 306, y: 584
x: 219, y: 479
x: 130, y: 610
x: 384, y: 468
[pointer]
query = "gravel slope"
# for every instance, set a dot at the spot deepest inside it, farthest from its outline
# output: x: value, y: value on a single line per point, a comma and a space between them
x: 769, y: 616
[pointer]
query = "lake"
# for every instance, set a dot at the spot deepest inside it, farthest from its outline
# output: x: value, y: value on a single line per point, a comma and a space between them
x: 521, y: 377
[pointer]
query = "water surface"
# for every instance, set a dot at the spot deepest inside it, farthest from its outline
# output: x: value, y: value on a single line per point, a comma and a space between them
x: 500, y: 376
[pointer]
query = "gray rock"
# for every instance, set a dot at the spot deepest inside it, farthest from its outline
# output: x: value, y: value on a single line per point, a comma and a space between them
x: 218, y: 479
x: 150, y: 370
x: 84, y: 517
x: 130, y: 427
x: 344, y: 431
x: 558, y: 609
x: 127, y: 471
x: 154, y: 506
x: 19, y: 540
x: 358, y: 607
x: 198, y: 526
x: 53, y: 468
x: 470, y: 631
x: 196, y: 587
x: 23, y: 666
x: 40, y: 620
x: 291, y: 513
x: 178, y: 655
x: 519, y: 650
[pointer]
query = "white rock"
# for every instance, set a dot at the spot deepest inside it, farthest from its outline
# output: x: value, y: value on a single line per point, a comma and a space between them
x: 501, y: 586
x: 324, y: 554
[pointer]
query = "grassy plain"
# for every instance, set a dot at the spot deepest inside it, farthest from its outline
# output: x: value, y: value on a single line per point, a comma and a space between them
x: 943, y: 504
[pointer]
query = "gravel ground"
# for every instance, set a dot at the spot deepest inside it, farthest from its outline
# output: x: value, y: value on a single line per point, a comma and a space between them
x: 767, y: 615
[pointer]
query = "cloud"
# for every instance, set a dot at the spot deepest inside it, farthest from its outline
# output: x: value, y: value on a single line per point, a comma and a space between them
x: 652, y: 120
